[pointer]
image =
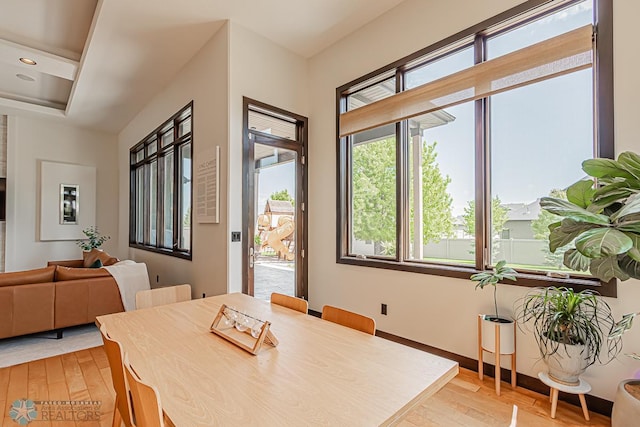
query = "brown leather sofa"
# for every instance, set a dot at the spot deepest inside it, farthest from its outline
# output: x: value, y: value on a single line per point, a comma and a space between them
x: 55, y: 297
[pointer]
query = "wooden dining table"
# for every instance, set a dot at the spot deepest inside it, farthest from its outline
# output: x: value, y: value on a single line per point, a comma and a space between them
x: 320, y: 373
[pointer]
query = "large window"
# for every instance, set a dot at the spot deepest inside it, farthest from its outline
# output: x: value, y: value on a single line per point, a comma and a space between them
x: 444, y: 156
x: 161, y: 175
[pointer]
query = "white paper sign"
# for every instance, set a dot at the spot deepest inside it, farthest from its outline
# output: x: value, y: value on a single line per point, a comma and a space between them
x: 207, y: 188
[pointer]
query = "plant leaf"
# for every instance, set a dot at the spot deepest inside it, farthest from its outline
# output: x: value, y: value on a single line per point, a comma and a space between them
x: 569, y: 225
x: 558, y: 238
x: 603, y: 242
x: 581, y: 193
x: 569, y: 210
x: 629, y: 266
x: 631, y: 162
x: 629, y: 226
x: 634, y: 252
x: 622, y: 326
x: 605, y: 168
x: 576, y: 261
x: 632, y: 206
x: 607, y: 268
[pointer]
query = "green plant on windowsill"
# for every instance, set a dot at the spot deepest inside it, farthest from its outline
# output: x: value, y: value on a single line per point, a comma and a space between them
x: 94, y: 239
x: 492, y: 277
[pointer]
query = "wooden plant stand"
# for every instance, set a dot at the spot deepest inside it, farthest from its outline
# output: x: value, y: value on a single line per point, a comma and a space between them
x: 496, y: 351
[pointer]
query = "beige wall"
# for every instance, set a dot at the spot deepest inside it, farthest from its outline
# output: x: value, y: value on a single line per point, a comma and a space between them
x: 236, y: 62
x: 30, y: 140
x: 204, y: 80
x: 435, y: 310
x: 268, y: 73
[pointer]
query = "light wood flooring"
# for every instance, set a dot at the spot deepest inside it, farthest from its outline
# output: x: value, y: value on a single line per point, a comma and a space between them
x: 465, y: 401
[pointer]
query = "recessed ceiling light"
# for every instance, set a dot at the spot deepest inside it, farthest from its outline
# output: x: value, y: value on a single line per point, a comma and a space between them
x: 28, y: 61
x: 25, y: 77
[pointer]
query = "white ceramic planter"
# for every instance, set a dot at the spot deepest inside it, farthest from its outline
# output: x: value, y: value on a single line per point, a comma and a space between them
x: 507, y: 335
x: 567, y: 363
x: 626, y: 408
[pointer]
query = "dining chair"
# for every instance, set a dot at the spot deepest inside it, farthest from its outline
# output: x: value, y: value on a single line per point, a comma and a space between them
x: 161, y: 296
x: 122, y: 410
x: 145, y: 399
x: 297, y: 304
x: 349, y: 319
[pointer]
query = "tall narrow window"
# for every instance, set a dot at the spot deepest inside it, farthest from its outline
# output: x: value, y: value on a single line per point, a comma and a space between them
x: 161, y: 175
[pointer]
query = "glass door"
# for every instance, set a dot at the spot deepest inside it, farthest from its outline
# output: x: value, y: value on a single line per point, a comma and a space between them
x: 274, y: 203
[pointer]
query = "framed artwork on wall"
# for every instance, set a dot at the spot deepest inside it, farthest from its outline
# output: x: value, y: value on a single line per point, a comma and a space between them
x: 60, y: 198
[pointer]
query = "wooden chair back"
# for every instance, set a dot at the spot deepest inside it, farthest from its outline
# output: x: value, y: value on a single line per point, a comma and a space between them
x: 162, y: 296
x: 122, y: 410
x: 349, y: 319
x: 145, y: 399
x: 293, y: 303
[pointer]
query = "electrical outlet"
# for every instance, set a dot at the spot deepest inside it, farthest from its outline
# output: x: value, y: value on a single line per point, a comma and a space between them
x: 383, y: 309
x: 203, y: 295
x: 235, y: 236
x: 157, y: 278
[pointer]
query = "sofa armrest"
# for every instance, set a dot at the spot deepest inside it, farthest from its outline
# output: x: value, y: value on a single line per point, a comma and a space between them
x: 69, y: 263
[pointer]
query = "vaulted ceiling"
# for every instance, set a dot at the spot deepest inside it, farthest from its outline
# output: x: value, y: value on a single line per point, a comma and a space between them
x: 98, y: 62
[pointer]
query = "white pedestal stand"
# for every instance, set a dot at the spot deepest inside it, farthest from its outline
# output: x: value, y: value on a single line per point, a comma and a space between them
x: 581, y: 389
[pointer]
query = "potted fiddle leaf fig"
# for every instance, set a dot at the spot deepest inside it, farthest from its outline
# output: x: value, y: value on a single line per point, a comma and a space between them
x: 505, y: 326
x: 601, y: 217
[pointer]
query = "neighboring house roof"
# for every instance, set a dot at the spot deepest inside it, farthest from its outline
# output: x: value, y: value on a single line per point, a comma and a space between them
x: 523, y: 211
x: 279, y: 207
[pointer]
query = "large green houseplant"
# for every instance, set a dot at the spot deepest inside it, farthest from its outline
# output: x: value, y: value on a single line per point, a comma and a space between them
x: 602, y: 219
x: 601, y: 216
x: 572, y: 330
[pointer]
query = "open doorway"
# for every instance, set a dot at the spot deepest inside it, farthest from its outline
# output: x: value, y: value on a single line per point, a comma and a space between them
x: 274, y: 196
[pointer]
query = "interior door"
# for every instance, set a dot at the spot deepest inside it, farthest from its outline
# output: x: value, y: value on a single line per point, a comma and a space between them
x: 274, y: 194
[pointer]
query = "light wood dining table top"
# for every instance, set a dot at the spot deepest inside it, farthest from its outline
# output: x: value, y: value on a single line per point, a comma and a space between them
x: 320, y: 373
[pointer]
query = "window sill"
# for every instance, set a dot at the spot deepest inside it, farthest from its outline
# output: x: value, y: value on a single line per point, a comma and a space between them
x: 608, y: 289
x: 163, y: 251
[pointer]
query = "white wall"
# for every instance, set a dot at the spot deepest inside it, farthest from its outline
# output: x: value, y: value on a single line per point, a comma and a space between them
x: 268, y: 73
x: 205, y: 81
x: 30, y: 140
x: 434, y: 310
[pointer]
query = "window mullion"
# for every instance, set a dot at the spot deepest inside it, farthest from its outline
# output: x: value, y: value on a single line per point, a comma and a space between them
x: 402, y: 201
x: 177, y: 194
x: 482, y: 214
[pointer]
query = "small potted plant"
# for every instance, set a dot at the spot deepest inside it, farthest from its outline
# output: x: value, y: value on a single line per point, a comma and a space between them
x: 507, y: 329
x: 94, y: 239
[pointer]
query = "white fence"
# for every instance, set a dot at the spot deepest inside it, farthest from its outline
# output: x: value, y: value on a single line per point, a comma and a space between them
x: 514, y: 251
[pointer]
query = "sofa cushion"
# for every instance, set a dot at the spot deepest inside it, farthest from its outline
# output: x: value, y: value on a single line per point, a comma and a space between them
x: 70, y: 273
x: 38, y: 275
x: 33, y: 308
x: 91, y: 256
